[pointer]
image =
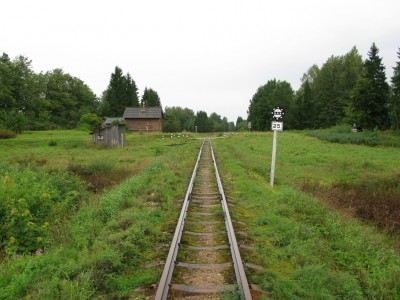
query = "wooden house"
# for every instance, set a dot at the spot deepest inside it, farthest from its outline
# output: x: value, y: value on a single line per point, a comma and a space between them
x: 144, y: 118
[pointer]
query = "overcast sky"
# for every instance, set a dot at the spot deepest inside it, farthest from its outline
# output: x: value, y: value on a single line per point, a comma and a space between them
x: 209, y: 55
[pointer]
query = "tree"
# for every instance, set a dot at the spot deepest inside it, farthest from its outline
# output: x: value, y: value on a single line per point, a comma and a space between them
x: 369, y: 100
x: 394, y: 108
x: 150, y: 98
x: 121, y: 93
x: 7, y: 100
x: 362, y: 103
x: 132, y: 92
x: 375, y: 72
x: 274, y: 93
x: 67, y: 98
x: 171, y: 123
x: 40, y: 101
x: 241, y: 125
x: 218, y: 124
x: 303, y: 109
x: 202, y: 122
x: 331, y: 87
x: 185, y: 117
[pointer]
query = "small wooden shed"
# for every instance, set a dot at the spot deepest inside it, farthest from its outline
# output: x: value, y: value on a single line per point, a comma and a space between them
x: 112, y: 136
x: 144, y: 118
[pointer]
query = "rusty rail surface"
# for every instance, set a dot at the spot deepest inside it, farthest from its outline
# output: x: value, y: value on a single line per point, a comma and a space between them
x: 166, y: 277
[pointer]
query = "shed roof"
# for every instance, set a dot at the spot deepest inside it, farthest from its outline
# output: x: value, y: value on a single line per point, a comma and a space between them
x: 109, y: 120
x: 143, y: 113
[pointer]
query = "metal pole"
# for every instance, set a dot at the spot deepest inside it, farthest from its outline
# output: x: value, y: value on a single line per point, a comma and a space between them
x: 273, y: 158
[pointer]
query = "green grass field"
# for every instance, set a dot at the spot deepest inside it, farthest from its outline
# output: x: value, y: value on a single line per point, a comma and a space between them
x: 326, y: 230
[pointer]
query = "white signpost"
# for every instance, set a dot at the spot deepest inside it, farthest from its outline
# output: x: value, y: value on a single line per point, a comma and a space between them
x: 277, y: 114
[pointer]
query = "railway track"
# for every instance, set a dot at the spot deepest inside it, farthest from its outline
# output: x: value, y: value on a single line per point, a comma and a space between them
x: 204, y: 260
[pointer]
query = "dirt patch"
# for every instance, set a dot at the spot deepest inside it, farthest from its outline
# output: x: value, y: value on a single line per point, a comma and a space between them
x: 374, y: 200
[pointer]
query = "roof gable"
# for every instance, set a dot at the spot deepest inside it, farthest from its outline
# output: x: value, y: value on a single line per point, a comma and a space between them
x: 143, y: 113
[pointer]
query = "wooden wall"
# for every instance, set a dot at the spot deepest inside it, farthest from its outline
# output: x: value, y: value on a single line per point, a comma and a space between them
x: 113, y: 136
x: 140, y: 124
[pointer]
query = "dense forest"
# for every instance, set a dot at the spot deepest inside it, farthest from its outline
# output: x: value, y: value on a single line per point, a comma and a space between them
x: 344, y: 90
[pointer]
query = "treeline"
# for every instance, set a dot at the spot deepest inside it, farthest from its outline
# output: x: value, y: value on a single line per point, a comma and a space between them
x: 31, y: 101
x: 177, y: 119
x: 57, y: 100
x: 345, y: 90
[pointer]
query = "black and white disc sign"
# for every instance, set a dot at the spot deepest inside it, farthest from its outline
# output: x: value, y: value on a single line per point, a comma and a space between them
x: 277, y: 113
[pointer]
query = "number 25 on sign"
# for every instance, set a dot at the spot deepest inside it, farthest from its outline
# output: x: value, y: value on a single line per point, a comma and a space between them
x: 277, y: 126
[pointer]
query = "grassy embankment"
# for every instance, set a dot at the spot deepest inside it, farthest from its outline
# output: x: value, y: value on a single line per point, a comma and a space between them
x: 99, y: 247
x: 309, y: 248
x: 306, y: 248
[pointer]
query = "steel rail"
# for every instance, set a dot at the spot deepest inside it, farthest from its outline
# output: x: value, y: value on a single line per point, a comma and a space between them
x: 237, y: 260
x: 164, y: 285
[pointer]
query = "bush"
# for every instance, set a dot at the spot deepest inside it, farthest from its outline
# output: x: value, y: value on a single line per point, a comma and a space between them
x: 52, y: 143
x: 12, y: 120
x: 33, y: 202
x: 89, y: 122
x: 342, y: 134
x: 7, y: 134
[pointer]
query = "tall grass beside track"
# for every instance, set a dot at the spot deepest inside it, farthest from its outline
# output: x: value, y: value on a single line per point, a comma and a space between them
x: 101, y: 249
x: 307, y: 249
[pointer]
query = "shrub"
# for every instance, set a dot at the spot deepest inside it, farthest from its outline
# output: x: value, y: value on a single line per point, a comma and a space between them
x: 34, y: 200
x: 341, y: 134
x: 89, y: 122
x: 7, y: 134
x: 52, y: 143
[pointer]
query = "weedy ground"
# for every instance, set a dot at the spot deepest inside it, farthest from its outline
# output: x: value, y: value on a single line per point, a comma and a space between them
x: 316, y: 234
x: 320, y: 232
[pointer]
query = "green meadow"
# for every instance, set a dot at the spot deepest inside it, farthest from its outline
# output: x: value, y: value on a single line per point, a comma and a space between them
x: 81, y: 221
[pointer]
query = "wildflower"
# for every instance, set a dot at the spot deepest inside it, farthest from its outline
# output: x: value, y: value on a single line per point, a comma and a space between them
x: 45, y: 196
x: 45, y: 225
x: 38, y: 251
x: 26, y: 213
x: 14, y: 211
x: 6, y: 179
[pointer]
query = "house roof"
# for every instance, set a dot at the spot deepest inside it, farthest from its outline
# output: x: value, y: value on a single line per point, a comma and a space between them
x: 109, y: 121
x: 143, y: 113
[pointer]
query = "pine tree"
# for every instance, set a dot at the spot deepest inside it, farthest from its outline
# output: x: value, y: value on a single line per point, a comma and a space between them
x: 394, y: 108
x: 121, y: 93
x: 131, y: 90
x: 368, y: 106
x: 116, y: 95
x: 375, y: 73
x: 150, y: 98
